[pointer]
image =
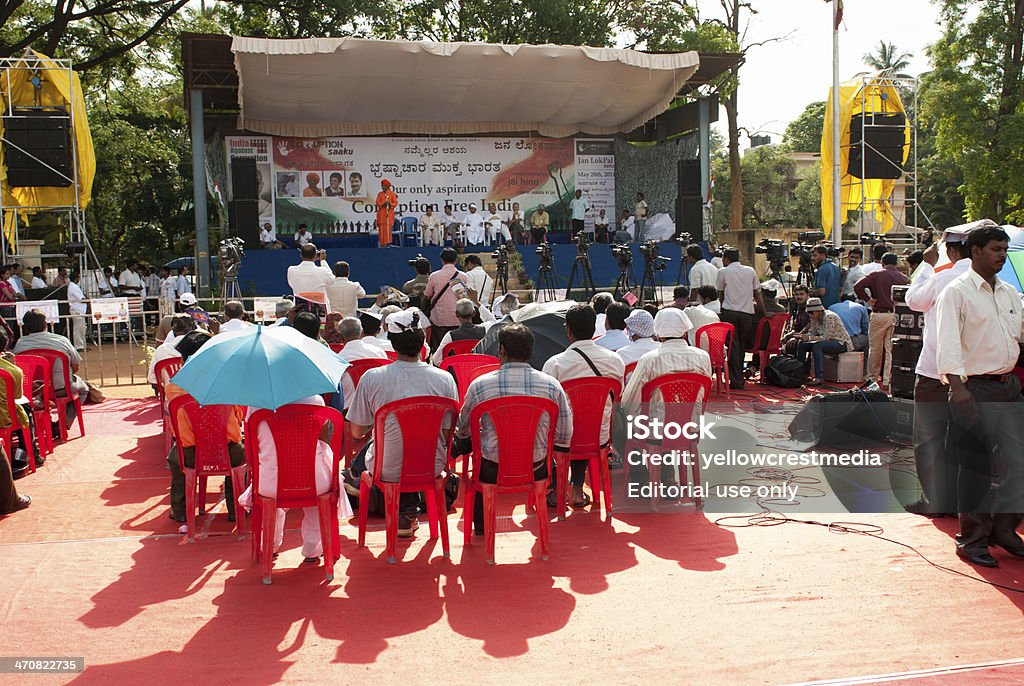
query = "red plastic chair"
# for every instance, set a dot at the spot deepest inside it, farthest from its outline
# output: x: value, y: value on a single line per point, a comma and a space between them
x: 588, y: 397
x: 337, y: 347
x: 211, y: 423
x: 515, y: 420
x: 34, y: 371
x: 349, y: 445
x: 717, y: 339
x: 296, y: 429
x: 7, y: 434
x: 163, y: 371
x: 774, y: 326
x: 459, y: 348
x: 681, y: 392
x: 467, y: 368
x: 61, y: 401
x: 392, y: 355
x: 420, y: 421
x: 629, y: 371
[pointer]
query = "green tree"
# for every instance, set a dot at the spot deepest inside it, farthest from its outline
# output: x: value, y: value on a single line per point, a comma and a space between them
x: 804, y: 209
x: 803, y: 134
x: 769, y: 179
x: 972, y: 99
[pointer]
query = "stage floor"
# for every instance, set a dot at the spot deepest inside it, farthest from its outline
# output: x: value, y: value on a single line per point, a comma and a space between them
x: 94, y: 569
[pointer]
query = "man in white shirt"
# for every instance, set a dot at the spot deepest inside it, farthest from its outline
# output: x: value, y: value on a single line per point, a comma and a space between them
x: 343, y: 295
x: 496, y: 226
x: 307, y: 277
x: 477, y: 279
x: 234, y: 313
x: 268, y: 237
x: 431, y: 227
x: 854, y: 270
x: 627, y: 228
x: 452, y: 228
x: 356, y: 348
x: 473, y: 224
x: 640, y: 215
x: 615, y: 335
x: 702, y: 272
x: 979, y: 332
x: 640, y: 324
x: 877, y: 251
x: 934, y: 442
x: 37, y: 278
x: 168, y: 293
x: 583, y: 359
x: 16, y: 282
x: 181, y: 284
x: 302, y: 236
x: 702, y: 314
x: 130, y: 283
x: 600, y: 303
x: 78, y: 307
x: 740, y: 294
x: 578, y: 208
x: 708, y: 298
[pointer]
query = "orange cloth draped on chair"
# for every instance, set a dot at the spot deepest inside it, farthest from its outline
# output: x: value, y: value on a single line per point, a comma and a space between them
x: 387, y: 201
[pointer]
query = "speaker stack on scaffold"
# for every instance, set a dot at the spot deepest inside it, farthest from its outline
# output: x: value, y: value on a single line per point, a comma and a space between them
x: 37, y: 149
x: 243, y: 213
x: 908, y: 333
x: 689, y: 204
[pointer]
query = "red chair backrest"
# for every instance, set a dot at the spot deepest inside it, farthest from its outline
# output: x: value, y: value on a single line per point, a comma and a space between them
x: 337, y: 347
x: 295, y: 429
x: 54, y: 357
x: 36, y: 369
x: 516, y: 421
x: 681, y: 392
x: 467, y: 368
x: 715, y: 339
x: 459, y: 348
x: 420, y: 421
x: 629, y: 370
x: 392, y: 355
x: 588, y: 398
x: 775, y: 326
x: 10, y: 389
x: 165, y: 369
x: 357, y: 368
x: 211, y: 423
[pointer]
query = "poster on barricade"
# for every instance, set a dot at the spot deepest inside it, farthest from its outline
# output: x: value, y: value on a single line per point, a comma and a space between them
x: 330, y: 184
x: 109, y: 310
x: 49, y: 307
x: 264, y: 309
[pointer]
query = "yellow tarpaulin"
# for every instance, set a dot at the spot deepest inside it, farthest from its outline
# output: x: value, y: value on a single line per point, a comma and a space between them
x: 58, y: 90
x: 856, y: 97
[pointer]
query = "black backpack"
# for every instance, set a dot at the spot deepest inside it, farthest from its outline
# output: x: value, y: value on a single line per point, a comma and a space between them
x: 784, y: 371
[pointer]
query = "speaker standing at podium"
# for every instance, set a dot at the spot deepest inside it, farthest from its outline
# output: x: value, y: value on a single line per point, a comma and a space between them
x: 979, y: 328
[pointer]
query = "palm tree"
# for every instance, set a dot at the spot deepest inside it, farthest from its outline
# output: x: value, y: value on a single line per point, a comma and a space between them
x: 885, y: 58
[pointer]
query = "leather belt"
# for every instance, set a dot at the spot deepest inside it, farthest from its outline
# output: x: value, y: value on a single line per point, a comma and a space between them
x: 999, y: 378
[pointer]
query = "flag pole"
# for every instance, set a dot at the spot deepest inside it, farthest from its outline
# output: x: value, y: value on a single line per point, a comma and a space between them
x: 837, y: 226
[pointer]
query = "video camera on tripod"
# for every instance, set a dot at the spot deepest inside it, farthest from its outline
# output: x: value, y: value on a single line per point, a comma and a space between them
x: 622, y: 254
x: 543, y: 251
x: 871, y: 238
x: 500, y: 256
x: 229, y: 256
x: 650, y: 249
x: 419, y: 259
x: 582, y: 244
x: 683, y: 238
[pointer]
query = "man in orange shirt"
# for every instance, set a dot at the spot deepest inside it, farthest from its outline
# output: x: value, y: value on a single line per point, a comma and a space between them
x: 188, y: 345
x: 387, y: 201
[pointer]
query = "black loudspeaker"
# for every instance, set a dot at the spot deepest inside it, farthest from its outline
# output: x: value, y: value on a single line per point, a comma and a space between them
x: 37, y: 139
x: 689, y: 178
x: 690, y: 217
x: 243, y: 179
x: 881, y: 156
x: 906, y: 352
x: 245, y: 221
x: 902, y: 380
x: 845, y: 418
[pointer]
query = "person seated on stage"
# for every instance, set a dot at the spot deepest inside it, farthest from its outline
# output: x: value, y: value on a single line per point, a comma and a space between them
x: 540, y: 220
x: 234, y: 317
x: 451, y: 225
x: 823, y: 335
x: 709, y: 299
x: 36, y: 337
x: 268, y: 237
x: 640, y: 324
x: 615, y: 335
x: 582, y: 359
x: 343, y: 295
x: 415, y: 286
x: 674, y: 355
x: 473, y: 223
x: 515, y: 377
x: 302, y: 236
x: 188, y: 345
x: 431, y: 227
x: 407, y: 377
x: 855, y: 319
x: 601, y: 227
x: 701, y: 314
x: 181, y: 324
x: 312, y: 189
x: 798, y: 318
x: 517, y: 225
x: 497, y: 231
x: 600, y: 303
x: 465, y: 310
x: 627, y: 226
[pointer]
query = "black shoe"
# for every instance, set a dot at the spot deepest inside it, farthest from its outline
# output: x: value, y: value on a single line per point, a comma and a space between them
x: 1015, y: 548
x: 21, y: 503
x: 921, y: 507
x: 311, y: 560
x: 176, y: 517
x: 981, y: 559
x: 231, y: 517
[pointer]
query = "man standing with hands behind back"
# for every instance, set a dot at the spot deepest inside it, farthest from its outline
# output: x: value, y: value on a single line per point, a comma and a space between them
x: 740, y: 293
x: 979, y: 329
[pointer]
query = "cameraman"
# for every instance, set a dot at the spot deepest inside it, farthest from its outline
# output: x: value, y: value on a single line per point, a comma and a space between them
x: 828, y: 279
x: 415, y: 286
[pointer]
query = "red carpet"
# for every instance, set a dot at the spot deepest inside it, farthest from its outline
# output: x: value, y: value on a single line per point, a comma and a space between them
x: 94, y: 569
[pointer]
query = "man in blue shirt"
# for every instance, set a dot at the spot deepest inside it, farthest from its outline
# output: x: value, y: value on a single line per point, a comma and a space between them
x: 828, y: 278
x: 855, y: 320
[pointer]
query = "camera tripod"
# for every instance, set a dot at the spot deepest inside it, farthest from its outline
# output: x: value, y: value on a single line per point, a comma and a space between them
x: 648, y: 283
x: 545, y: 281
x: 624, y: 284
x: 500, y: 279
x: 684, y: 264
x: 583, y: 262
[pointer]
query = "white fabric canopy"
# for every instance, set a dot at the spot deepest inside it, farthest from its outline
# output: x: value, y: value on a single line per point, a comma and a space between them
x: 351, y: 86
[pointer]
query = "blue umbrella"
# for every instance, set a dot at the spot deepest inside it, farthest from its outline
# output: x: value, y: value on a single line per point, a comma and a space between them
x: 261, y: 367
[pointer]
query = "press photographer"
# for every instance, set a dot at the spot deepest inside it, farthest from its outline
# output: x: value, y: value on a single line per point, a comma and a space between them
x: 828, y: 278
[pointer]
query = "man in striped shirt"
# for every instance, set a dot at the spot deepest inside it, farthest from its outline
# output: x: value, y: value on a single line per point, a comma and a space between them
x: 515, y: 377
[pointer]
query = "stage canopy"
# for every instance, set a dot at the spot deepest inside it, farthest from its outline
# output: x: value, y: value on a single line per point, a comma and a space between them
x: 356, y: 87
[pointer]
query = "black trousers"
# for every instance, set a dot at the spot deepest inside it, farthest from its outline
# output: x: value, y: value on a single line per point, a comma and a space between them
x: 408, y: 503
x: 935, y: 444
x: 437, y: 332
x: 489, y: 475
x: 577, y: 226
x: 744, y: 324
x: 236, y: 456
x: 8, y: 493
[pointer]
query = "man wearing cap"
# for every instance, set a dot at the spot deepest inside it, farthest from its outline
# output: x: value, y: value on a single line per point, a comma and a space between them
x: 673, y: 355
x: 190, y: 306
x: 473, y: 224
x: 444, y: 288
x: 980, y: 327
x: 855, y: 319
x: 740, y: 292
x: 582, y: 359
x: 823, y: 335
x: 876, y: 290
x: 407, y: 377
x: 640, y: 324
x: 934, y: 432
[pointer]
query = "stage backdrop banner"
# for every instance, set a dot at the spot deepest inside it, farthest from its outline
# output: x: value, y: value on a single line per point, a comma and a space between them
x: 330, y: 184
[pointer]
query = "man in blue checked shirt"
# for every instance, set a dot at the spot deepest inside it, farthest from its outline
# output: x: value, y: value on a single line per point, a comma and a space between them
x: 515, y: 377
